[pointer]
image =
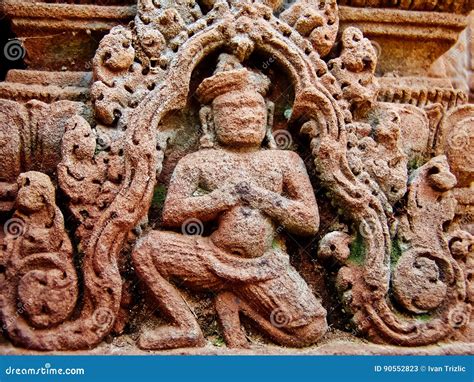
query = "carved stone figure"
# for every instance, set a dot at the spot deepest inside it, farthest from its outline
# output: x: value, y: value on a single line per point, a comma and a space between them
x: 40, y: 276
x: 247, y: 191
x: 291, y: 171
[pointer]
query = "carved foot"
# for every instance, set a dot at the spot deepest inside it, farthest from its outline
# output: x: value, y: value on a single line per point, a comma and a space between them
x: 171, y: 337
x: 227, y: 306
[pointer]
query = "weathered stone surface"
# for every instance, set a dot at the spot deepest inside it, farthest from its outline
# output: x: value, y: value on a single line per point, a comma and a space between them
x: 236, y: 174
x: 58, y: 36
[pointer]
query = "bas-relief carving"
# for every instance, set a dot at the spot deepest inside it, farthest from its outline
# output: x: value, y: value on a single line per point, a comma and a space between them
x: 246, y: 191
x: 398, y: 177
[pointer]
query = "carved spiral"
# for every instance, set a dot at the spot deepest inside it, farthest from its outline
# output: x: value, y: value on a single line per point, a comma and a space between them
x: 418, y: 281
x: 48, y: 292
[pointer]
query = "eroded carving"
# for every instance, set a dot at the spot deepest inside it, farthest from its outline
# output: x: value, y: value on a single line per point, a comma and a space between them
x: 396, y: 176
x: 39, y: 270
x: 247, y: 191
x: 30, y: 139
x: 315, y: 20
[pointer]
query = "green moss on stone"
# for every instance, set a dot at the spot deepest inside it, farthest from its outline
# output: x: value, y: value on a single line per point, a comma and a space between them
x: 159, y: 196
x: 396, y: 253
x: 219, y: 342
x: 423, y: 317
x: 415, y: 163
x: 357, y: 249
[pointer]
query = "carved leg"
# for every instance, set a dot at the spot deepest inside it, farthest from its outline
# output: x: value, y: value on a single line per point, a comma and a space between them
x: 227, y: 306
x: 285, y: 309
x: 303, y: 336
x: 156, y: 256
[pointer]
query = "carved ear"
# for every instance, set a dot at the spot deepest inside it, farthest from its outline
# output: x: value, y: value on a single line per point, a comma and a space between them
x: 207, y: 124
x: 269, y: 136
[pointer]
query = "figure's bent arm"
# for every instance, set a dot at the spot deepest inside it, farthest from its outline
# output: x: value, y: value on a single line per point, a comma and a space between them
x: 297, y: 211
x: 180, y: 204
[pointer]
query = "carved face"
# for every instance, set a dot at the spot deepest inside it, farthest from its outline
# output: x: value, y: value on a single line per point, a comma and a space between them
x: 240, y: 118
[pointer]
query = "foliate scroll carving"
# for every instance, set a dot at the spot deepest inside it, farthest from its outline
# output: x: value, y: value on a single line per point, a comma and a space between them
x: 382, y: 153
x: 90, y: 173
x: 131, y: 61
x: 354, y: 71
x: 120, y: 82
x: 233, y: 195
x: 318, y: 21
x: 40, y: 276
x: 426, y: 275
x: 376, y: 157
x: 455, y: 138
x: 48, y: 287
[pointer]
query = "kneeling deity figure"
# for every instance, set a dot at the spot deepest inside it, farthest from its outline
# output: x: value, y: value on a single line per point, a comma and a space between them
x: 249, y: 194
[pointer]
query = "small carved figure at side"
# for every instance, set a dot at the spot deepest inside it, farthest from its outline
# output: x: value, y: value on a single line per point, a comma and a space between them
x: 40, y: 276
x: 253, y: 195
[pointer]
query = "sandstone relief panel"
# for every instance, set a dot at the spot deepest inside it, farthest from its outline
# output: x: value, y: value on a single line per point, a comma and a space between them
x: 233, y: 175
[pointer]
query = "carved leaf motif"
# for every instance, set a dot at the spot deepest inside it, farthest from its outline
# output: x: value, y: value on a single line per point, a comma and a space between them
x: 109, y: 168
